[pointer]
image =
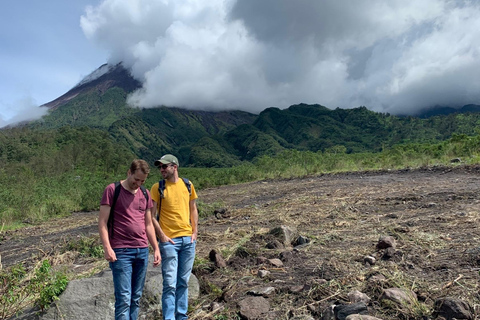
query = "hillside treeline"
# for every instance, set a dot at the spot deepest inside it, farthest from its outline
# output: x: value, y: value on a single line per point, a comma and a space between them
x: 52, y: 172
x: 224, y: 139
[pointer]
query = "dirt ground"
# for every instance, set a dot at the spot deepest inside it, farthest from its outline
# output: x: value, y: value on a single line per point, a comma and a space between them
x: 432, y: 213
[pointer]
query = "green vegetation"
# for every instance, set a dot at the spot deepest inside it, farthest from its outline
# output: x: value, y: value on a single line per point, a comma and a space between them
x: 19, y: 288
x: 65, y: 170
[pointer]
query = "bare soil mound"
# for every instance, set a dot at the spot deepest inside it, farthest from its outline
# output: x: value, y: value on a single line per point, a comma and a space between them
x: 432, y: 214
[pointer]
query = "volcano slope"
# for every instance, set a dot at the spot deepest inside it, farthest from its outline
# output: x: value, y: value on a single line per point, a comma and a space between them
x: 432, y: 213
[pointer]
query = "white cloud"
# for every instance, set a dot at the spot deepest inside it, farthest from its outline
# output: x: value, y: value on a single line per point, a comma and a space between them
x: 395, y: 56
x: 25, y: 109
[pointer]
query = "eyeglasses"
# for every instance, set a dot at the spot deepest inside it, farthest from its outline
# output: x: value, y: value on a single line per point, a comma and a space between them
x: 165, y: 166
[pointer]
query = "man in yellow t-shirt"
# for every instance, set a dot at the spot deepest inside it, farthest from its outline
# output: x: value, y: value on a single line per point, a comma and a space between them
x: 176, y: 229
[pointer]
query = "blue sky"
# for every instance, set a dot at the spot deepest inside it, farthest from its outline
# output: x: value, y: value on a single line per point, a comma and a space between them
x: 43, y: 53
x: 396, y: 56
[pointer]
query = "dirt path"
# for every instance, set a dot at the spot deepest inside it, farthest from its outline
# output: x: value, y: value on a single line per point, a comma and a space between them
x: 433, y: 214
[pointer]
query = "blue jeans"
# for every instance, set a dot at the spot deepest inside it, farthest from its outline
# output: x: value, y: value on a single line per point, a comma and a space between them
x: 177, y: 263
x: 129, y: 273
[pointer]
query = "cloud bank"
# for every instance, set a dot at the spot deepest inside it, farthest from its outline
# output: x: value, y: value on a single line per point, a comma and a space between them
x: 394, y: 56
x: 25, y: 109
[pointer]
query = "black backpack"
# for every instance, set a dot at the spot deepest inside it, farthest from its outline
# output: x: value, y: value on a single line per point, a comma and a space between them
x: 161, y: 189
x: 118, y: 187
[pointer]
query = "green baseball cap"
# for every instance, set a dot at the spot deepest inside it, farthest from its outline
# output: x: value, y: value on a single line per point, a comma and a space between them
x: 166, y: 159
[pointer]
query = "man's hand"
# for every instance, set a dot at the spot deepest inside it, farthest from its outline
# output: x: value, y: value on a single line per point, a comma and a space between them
x: 164, y: 238
x: 110, y: 255
x: 156, y: 258
x: 194, y: 236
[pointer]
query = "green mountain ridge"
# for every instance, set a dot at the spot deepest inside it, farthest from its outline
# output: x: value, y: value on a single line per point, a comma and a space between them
x: 226, y: 138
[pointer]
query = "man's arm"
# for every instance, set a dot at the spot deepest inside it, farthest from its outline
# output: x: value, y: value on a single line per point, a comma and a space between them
x: 151, y: 237
x: 194, y: 219
x: 158, y: 230
x: 109, y: 254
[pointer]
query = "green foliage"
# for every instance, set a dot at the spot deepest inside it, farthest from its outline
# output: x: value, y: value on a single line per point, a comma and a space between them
x: 55, y: 172
x: 87, y: 247
x: 50, y: 284
x: 19, y: 288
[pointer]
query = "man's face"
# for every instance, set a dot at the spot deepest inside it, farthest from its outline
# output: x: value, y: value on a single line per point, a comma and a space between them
x: 167, y: 170
x: 136, y: 179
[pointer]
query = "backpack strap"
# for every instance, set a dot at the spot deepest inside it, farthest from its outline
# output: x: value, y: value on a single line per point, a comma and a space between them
x: 118, y: 187
x: 161, y: 189
x: 145, y: 194
x: 188, y: 184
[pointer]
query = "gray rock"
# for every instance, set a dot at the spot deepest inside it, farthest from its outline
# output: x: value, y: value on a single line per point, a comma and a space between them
x: 370, y: 260
x: 284, y: 234
x: 451, y: 308
x: 300, y: 240
x: 253, y: 307
x: 400, y: 296
x: 263, y: 291
x: 328, y: 313
x: 386, y: 242
x: 263, y: 273
x: 361, y: 317
x: 275, y: 244
x: 276, y: 262
x: 303, y: 317
x: 342, y: 311
x: 92, y: 298
x: 217, y: 258
x: 357, y: 296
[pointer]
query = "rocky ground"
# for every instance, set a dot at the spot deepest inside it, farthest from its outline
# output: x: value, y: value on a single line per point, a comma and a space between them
x: 429, y: 217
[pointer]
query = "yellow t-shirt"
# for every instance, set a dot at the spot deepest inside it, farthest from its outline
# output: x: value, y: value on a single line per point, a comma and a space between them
x: 175, y: 210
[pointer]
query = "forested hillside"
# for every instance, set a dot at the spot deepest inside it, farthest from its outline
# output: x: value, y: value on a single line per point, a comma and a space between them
x: 227, y: 138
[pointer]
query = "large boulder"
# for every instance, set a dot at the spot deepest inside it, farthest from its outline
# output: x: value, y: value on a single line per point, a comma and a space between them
x: 92, y: 298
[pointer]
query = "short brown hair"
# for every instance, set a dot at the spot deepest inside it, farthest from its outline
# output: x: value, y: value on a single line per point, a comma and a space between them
x: 139, y: 164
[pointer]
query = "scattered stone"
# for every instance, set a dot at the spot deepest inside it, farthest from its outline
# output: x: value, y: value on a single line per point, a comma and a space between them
x: 300, y: 240
x: 284, y: 234
x: 303, y: 317
x: 263, y: 273
x: 386, y: 242
x: 370, y: 260
x: 357, y: 296
x: 344, y: 310
x: 215, y: 306
x: 253, y: 307
x: 361, y: 317
x: 286, y: 256
x: 217, y: 258
x: 389, y: 253
x: 430, y: 205
x: 296, y: 289
x: 276, y: 262
x: 261, y: 260
x: 328, y: 313
x: 264, y: 291
x: 275, y: 244
x: 451, y: 308
x: 377, y: 278
x: 400, y: 296
x: 221, y: 213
